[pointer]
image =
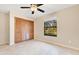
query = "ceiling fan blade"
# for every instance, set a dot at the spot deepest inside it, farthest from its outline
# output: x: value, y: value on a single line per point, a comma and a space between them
x: 39, y: 5
x: 32, y: 12
x: 24, y: 7
x: 40, y: 10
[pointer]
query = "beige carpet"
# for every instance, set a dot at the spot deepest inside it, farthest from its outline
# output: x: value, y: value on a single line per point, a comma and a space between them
x: 33, y: 47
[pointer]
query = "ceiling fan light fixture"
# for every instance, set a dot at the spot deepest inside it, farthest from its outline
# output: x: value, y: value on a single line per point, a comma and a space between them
x: 34, y: 8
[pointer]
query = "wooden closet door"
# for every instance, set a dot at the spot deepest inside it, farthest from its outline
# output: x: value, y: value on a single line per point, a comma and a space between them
x: 18, y: 31
x: 31, y: 30
x: 28, y: 26
x: 22, y: 26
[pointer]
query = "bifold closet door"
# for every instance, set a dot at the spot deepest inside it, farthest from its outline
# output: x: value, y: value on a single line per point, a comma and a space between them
x: 18, y: 31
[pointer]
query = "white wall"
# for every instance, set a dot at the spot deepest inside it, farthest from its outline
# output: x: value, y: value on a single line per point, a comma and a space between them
x: 7, y: 26
x: 13, y: 14
x: 67, y: 28
x: 4, y: 28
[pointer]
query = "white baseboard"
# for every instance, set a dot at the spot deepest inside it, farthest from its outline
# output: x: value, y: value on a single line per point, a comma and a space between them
x: 61, y: 45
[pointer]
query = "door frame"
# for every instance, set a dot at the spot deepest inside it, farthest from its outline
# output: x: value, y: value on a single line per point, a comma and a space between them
x: 12, y: 26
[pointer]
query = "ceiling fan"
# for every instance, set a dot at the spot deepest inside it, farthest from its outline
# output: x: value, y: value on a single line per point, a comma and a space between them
x: 34, y: 7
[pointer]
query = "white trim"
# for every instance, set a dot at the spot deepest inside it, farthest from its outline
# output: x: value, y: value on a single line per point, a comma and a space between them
x: 61, y: 45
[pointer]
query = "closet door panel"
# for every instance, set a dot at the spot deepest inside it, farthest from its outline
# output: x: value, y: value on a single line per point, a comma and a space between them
x: 18, y: 32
